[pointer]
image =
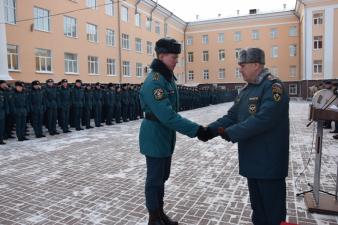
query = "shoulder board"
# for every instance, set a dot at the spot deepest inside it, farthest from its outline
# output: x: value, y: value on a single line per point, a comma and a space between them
x: 156, y: 76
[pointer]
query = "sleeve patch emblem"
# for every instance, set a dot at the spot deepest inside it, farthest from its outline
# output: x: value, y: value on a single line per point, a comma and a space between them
x: 252, y: 108
x: 277, y: 91
x: 159, y: 94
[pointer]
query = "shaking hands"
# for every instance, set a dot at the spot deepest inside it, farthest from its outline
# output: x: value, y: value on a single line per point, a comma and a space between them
x: 205, y: 134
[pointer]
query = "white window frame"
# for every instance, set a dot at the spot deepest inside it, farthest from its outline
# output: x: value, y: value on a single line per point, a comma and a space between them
x: 293, y: 31
x: 205, y: 56
x: 71, y: 63
x: 138, y: 19
x: 274, y: 52
x: 93, y: 65
x: 293, y: 50
x: 205, y: 39
x: 221, y: 73
x: 293, y: 89
x: 220, y: 38
x: 165, y: 29
x: 318, y: 19
x: 255, y: 35
x: 41, y: 19
x: 91, y: 4
x: 111, y: 67
x: 206, y: 74
x: 317, y: 66
x: 190, y: 57
x: 274, y: 33
x: 138, y: 45
x: 43, y: 61
x: 70, y: 26
x: 125, y: 41
x: 124, y: 13
x: 92, y: 34
x: 12, y: 57
x: 191, y: 75
x: 10, y: 11
x: 149, y: 48
x: 237, y: 51
x: 190, y: 40
x: 148, y: 24
x: 237, y: 73
x: 238, y: 36
x: 157, y: 28
x: 110, y: 37
x: 109, y: 7
x: 317, y: 42
x: 293, y: 71
x: 139, y: 70
x: 221, y: 54
x: 126, y: 69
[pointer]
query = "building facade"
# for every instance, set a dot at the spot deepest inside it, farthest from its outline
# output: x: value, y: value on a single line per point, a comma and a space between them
x: 113, y: 41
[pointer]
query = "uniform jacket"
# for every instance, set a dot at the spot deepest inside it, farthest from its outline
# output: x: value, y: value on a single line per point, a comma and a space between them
x: 64, y: 97
x: 20, y: 103
x: 77, y: 97
x: 259, y: 122
x: 51, y: 97
x: 4, y: 105
x: 159, y: 96
x: 36, y: 100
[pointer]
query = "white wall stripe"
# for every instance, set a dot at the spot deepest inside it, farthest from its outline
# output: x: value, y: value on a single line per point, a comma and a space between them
x: 328, y: 43
x: 3, y: 45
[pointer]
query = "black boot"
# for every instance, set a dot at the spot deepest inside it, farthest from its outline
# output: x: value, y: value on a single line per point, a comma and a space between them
x: 155, y: 218
x: 167, y: 220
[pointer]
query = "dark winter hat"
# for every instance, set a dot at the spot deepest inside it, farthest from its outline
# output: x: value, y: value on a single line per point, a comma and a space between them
x: 49, y: 80
x: 2, y: 81
x: 78, y: 81
x: 110, y: 85
x: 64, y: 81
x: 252, y: 55
x: 97, y: 84
x: 35, y: 82
x: 167, y: 45
x: 19, y: 83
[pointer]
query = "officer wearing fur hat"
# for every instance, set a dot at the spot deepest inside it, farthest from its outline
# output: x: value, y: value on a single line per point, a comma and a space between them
x: 20, y: 110
x: 259, y: 122
x: 4, y: 110
x: 159, y: 101
x: 77, y: 102
x: 64, y: 104
x: 51, y: 106
x: 37, y: 106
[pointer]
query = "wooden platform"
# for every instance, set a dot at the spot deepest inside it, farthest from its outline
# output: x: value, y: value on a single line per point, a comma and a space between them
x: 327, y: 204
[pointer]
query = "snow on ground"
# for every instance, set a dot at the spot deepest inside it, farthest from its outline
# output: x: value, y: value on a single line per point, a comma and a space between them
x: 97, y: 176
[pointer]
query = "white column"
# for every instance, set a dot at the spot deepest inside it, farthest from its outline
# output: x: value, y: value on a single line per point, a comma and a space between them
x: 3, y: 45
x: 308, y: 44
x: 328, y: 43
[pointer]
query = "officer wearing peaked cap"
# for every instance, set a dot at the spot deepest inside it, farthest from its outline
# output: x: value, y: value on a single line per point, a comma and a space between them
x: 259, y: 122
x: 77, y: 99
x: 64, y: 103
x: 4, y: 111
x: 37, y: 106
x: 157, y: 137
x: 51, y: 106
x: 20, y: 109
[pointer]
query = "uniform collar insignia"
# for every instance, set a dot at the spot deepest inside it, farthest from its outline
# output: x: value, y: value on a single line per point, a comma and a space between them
x: 161, y: 68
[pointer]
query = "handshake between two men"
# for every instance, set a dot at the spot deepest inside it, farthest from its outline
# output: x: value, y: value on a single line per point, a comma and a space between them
x: 205, y: 133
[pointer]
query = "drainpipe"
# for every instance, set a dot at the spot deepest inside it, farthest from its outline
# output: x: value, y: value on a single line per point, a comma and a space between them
x: 119, y: 41
x: 165, y: 22
x: 185, y: 53
x: 136, y: 4
x: 151, y: 12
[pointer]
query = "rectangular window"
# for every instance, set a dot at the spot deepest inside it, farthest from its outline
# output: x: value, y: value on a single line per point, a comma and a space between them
x: 71, y: 64
x: 221, y: 73
x: 69, y: 26
x: 293, y: 89
x: 139, y: 70
x: 165, y: 28
x: 293, y: 50
x: 205, y: 56
x: 274, y: 33
x: 91, y: 4
x: 13, y: 57
x: 206, y: 74
x: 317, y: 42
x: 221, y: 38
x: 293, y: 71
x: 255, y: 35
x: 221, y: 54
x: 126, y: 68
x: 124, y: 13
x: 318, y: 18
x: 125, y: 41
x: 274, y: 52
x: 237, y: 73
x: 149, y: 48
x: 92, y: 33
x: 93, y: 65
x: 157, y: 28
x: 237, y: 51
x: 317, y: 66
x: 10, y: 11
x: 111, y: 67
x: 110, y: 37
x: 190, y: 57
x: 41, y: 19
x: 138, y: 44
x: 238, y: 36
x: 191, y: 75
x: 148, y: 24
x: 205, y: 39
x: 138, y: 19
x: 292, y: 31
x: 43, y: 60
x: 109, y: 7
x: 190, y: 40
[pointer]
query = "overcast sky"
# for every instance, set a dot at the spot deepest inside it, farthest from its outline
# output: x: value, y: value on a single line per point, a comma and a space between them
x: 209, y: 9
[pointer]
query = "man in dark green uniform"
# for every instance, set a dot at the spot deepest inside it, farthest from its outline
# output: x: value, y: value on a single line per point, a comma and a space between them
x: 37, y: 106
x: 4, y: 110
x: 109, y: 101
x: 118, y: 104
x: 20, y: 109
x: 51, y: 106
x: 159, y: 101
x: 259, y: 122
x: 88, y: 106
x: 64, y: 103
x: 97, y: 104
x: 77, y: 96
x: 125, y: 102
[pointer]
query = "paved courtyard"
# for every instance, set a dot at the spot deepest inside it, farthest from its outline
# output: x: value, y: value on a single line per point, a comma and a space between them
x: 97, y: 177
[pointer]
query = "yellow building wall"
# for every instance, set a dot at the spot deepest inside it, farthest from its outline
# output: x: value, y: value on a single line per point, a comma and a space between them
x: 335, y: 45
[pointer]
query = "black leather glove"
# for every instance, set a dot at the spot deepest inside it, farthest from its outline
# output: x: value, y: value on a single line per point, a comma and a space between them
x: 204, y: 133
x: 223, y: 133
